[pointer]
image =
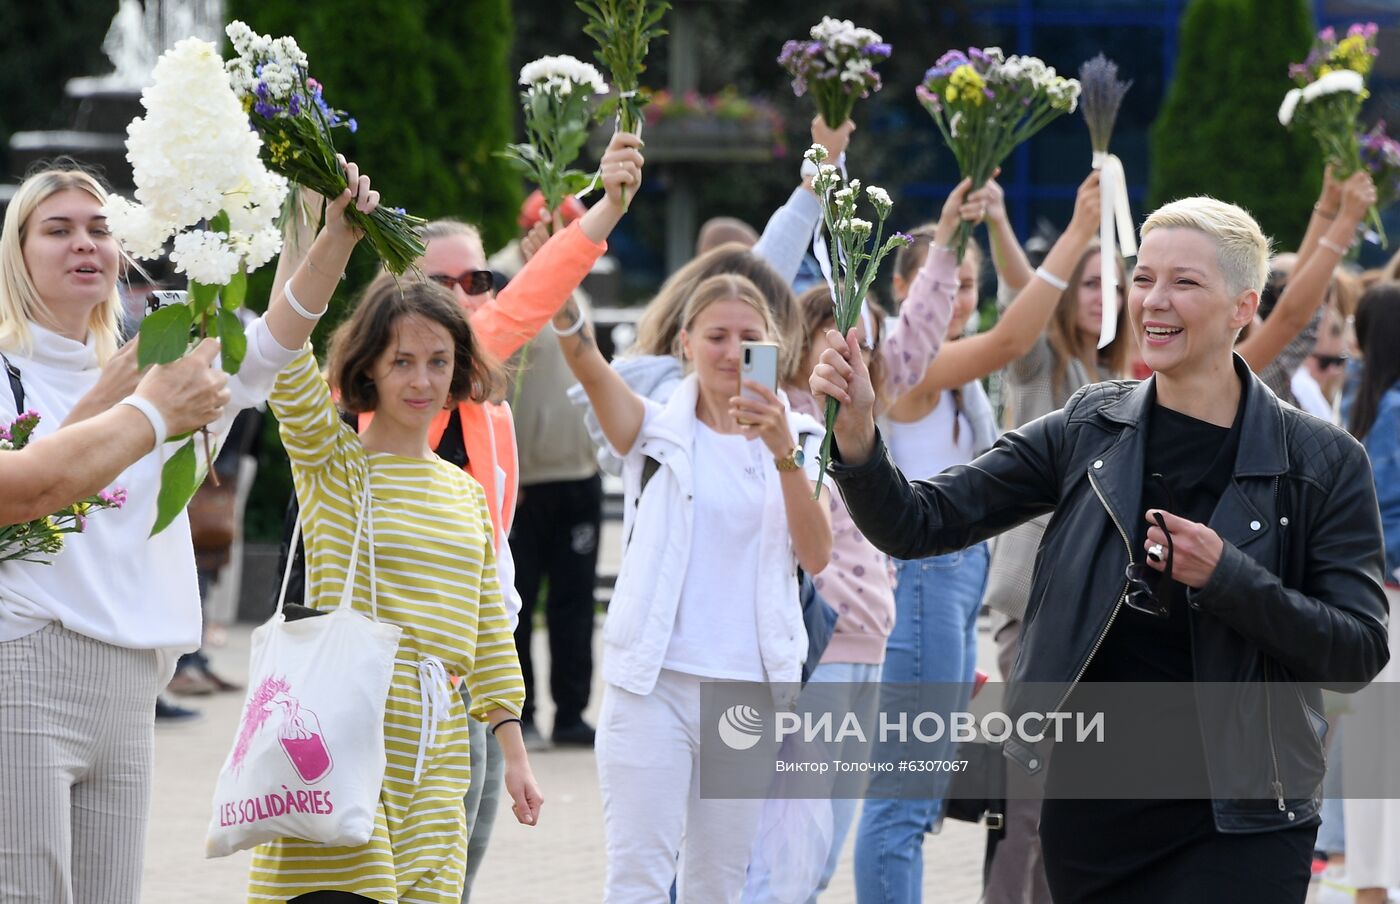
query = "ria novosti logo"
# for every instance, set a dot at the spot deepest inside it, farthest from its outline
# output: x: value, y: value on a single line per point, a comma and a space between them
x: 740, y: 727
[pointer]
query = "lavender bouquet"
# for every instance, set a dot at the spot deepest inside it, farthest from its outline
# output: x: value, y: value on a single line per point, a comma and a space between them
x: 1101, y: 96
x: 986, y: 104
x: 837, y: 66
x: 1380, y: 155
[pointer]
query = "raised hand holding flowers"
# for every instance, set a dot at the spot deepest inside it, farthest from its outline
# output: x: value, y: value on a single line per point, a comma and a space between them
x: 1327, y: 102
x: 837, y: 66
x: 857, y: 260
x: 986, y: 104
x: 557, y: 101
x: 289, y: 110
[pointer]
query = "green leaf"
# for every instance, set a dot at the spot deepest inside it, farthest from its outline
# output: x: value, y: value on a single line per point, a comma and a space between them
x: 231, y: 298
x: 220, y: 223
x: 177, y: 485
x: 165, y: 335
x: 202, y: 299
x: 233, y: 342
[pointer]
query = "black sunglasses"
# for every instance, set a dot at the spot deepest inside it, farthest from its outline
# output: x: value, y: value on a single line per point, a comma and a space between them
x: 1141, y: 596
x: 473, y: 282
x: 1328, y: 361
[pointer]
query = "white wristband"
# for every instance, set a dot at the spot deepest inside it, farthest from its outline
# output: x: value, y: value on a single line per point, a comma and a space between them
x: 1051, y: 279
x: 296, y: 305
x: 152, y: 413
x: 1325, y: 242
x: 578, y: 325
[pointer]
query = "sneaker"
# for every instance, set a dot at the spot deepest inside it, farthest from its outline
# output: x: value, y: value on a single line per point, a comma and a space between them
x: 1335, y: 889
x: 190, y: 682
x: 579, y: 734
x: 170, y: 714
x: 534, y: 741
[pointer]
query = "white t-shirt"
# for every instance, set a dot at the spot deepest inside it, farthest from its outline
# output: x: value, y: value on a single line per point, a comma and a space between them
x: 1309, y: 395
x: 716, y: 629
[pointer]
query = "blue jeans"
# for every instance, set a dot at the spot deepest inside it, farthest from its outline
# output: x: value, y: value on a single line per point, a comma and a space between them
x: 934, y: 642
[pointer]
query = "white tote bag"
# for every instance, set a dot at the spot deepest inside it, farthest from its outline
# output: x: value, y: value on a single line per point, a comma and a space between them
x: 308, y: 759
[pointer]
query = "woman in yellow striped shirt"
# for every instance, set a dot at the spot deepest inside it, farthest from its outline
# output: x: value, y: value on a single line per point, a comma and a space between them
x: 405, y: 354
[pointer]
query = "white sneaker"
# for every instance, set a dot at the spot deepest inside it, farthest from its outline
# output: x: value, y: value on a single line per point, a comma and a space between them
x: 1335, y: 889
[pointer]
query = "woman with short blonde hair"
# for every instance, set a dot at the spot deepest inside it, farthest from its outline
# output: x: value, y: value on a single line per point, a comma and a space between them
x: 1202, y: 530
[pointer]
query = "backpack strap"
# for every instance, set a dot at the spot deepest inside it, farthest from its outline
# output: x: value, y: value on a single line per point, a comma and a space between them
x: 16, y: 387
x: 649, y: 468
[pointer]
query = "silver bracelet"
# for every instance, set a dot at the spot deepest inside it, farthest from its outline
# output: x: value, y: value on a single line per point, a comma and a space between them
x: 578, y: 325
x: 1325, y: 242
x: 296, y: 305
x: 316, y: 269
x: 152, y: 413
x: 1051, y: 279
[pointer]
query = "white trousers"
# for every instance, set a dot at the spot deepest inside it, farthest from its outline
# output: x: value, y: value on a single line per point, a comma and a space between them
x: 1373, y: 826
x: 648, y: 749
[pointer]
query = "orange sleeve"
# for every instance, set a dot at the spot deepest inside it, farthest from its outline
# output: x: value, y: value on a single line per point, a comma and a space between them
x: 520, y: 311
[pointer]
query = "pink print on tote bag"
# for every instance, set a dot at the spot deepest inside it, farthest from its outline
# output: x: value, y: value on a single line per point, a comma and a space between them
x: 299, y: 733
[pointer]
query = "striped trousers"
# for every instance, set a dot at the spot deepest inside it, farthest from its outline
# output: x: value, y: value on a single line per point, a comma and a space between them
x: 76, y: 734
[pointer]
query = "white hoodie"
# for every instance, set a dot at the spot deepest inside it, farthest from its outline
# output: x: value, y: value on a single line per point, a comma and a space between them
x: 113, y: 582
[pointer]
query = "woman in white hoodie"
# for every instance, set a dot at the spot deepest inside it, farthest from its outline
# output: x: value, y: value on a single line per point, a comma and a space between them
x: 87, y: 642
x: 719, y: 513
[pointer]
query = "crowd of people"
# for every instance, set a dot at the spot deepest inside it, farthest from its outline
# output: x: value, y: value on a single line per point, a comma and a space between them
x: 1234, y: 451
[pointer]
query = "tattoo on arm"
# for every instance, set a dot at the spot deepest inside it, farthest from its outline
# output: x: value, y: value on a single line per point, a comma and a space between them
x: 585, y: 341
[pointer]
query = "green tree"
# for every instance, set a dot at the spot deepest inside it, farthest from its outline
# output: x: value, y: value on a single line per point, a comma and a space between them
x: 1218, y: 133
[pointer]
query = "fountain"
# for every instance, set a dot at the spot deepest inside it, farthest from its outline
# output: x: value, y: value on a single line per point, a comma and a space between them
x: 104, y: 104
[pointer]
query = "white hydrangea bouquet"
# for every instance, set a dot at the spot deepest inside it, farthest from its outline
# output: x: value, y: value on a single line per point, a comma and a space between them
x: 198, y: 178
x: 288, y: 109
x: 557, y: 100
x: 986, y: 104
x: 856, y: 261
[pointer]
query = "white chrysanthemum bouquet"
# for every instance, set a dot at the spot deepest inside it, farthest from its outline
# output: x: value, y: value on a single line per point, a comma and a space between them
x: 198, y: 178
x: 287, y: 108
x: 856, y: 261
x: 558, y: 99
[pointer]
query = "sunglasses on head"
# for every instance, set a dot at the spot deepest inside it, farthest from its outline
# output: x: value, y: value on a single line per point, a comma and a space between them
x: 473, y: 282
x: 1329, y: 361
x: 1141, y: 595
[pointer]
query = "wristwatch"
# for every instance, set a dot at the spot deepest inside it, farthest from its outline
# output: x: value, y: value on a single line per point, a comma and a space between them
x: 792, y: 461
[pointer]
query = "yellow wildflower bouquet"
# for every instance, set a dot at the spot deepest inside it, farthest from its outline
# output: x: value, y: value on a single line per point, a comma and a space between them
x: 986, y: 104
x: 1327, y: 102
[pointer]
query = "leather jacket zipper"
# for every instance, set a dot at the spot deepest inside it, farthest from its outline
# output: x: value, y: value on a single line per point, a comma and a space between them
x: 1116, y: 606
x: 1269, y: 698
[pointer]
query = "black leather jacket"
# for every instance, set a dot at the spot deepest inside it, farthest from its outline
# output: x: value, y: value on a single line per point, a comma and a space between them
x: 1296, y: 598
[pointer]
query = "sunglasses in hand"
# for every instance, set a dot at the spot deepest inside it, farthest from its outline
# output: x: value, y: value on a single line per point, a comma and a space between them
x: 473, y: 282
x: 1141, y: 595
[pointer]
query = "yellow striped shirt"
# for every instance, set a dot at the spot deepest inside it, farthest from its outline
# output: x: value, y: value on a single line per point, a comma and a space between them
x: 436, y: 579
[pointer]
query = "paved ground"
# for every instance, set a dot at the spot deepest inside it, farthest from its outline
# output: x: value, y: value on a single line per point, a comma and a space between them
x: 561, y: 860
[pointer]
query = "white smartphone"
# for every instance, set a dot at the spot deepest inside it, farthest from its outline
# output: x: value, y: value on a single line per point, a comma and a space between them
x: 758, y: 361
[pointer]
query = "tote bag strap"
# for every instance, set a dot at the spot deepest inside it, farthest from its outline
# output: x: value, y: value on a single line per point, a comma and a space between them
x: 287, y: 572
x: 360, y: 522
